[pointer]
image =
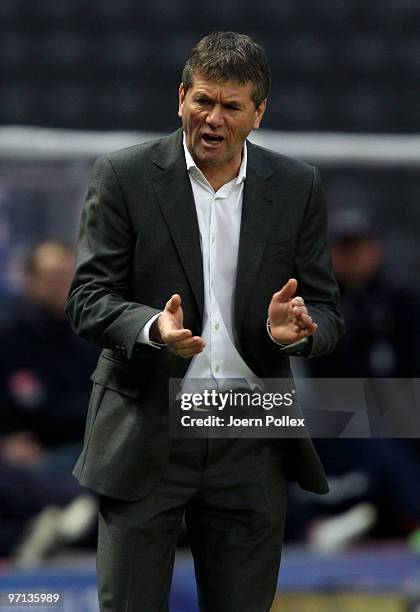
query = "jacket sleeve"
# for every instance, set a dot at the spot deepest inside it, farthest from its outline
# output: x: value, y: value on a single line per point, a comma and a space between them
x: 314, y: 272
x: 97, y: 305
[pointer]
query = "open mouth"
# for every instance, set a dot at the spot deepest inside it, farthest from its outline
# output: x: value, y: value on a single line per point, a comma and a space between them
x: 212, y: 138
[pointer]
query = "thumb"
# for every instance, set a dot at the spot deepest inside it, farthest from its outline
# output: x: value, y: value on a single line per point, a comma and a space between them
x: 173, y: 303
x: 287, y: 291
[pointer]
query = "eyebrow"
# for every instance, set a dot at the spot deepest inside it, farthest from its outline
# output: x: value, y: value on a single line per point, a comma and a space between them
x: 204, y: 96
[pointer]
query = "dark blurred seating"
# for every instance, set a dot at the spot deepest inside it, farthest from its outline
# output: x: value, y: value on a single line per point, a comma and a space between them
x: 360, y: 60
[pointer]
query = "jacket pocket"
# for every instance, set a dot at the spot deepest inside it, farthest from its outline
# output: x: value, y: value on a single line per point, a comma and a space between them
x: 118, y: 377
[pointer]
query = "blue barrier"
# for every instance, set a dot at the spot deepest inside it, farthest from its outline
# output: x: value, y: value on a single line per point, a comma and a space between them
x: 375, y: 569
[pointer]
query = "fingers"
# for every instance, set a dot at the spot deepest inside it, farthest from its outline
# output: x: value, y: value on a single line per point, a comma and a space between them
x: 287, y: 291
x: 173, y: 303
x: 175, y: 336
x: 301, y: 318
x: 183, y: 343
x: 306, y: 331
x: 289, y: 318
x: 298, y: 301
x: 303, y: 322
x: 178, y: 339
x: 188, y: 347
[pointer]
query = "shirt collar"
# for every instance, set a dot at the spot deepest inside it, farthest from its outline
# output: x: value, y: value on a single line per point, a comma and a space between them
x: 241, y: 176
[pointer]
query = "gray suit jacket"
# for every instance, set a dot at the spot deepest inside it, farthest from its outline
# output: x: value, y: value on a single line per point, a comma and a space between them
x: 139, y: 244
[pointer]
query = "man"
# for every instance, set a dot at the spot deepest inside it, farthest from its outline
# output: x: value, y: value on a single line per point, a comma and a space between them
x: 188, y: 247
x: 377, y: 345
x: 44, y: 393
x: 44, y: 368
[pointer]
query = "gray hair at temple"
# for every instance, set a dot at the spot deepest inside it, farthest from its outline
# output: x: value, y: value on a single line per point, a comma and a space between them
x: 229, y: 56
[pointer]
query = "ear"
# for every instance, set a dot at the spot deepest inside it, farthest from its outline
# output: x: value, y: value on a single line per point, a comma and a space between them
x: 259, y: 112
x: 181, y: 99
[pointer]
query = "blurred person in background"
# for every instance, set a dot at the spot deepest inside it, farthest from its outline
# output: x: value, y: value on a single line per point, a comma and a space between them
x: 44, y: 368
x: 44, y: 394
x: 382, y: 314
x: 143, y: 272
x: 40, y: 513
x: 381, y: 309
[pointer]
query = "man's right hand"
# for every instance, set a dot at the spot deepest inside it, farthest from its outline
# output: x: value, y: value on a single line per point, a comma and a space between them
x: 168, y: 329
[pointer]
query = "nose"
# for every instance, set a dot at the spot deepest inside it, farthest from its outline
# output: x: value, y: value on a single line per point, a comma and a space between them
x: 215, y: 116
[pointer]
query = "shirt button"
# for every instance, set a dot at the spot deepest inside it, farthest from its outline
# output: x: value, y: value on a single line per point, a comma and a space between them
x: 213, y: 238
x: 217, y: 368
x: 216, y: 326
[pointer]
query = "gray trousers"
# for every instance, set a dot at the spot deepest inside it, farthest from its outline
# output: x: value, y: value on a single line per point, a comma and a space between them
x: 232, y: 494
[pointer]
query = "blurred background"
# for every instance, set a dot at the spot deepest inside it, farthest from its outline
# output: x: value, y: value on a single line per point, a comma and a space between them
x: 82, y: 78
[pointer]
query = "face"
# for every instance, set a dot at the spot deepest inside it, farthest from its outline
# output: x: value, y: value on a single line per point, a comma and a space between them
x: 357, y: 260
x: 49, y: 282
x: 217, y: 118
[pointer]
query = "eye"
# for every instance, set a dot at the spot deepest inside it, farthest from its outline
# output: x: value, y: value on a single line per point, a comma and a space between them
x: 203, y: 101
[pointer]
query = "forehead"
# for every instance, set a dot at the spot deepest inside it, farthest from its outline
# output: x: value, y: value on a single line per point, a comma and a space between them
x: 225, y: 89
x: 51, y: 257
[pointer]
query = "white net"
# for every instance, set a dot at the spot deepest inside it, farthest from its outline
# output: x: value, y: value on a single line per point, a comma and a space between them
x: 33, y: 143
x: 44, y: 175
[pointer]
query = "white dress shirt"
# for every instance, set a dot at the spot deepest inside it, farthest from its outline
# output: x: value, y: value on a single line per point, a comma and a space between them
x: 219, y: 221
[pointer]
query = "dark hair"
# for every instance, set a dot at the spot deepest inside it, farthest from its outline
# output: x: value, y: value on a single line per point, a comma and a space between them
x: 229, y: 56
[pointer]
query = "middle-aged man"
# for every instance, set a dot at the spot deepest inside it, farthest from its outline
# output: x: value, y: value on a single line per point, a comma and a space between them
x: 191, y: 252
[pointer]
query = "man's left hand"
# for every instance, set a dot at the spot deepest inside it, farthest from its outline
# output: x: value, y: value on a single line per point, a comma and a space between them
x: 288, y: 316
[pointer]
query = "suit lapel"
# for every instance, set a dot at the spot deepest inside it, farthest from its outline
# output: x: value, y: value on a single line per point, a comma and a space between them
x: 256, y: 224
x: 173, y: 190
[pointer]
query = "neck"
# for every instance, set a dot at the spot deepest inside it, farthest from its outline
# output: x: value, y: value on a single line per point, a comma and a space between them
x: 216, y: 178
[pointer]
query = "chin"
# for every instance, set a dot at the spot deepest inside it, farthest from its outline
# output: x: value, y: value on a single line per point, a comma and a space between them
x: 211, y: 161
